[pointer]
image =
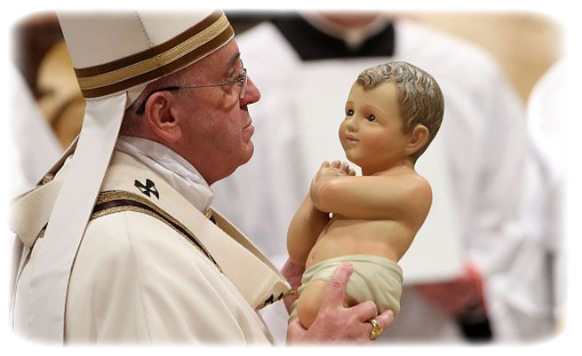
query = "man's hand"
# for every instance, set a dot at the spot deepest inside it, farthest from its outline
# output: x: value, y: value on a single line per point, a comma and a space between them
x: 457, y: 296
x: 336, y: 323
x: 292, y: 272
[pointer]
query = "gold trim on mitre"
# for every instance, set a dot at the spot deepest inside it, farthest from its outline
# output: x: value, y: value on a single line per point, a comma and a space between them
x: 191, y: 45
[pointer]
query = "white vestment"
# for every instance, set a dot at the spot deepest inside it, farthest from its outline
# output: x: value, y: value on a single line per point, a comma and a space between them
x: 547, y: 114
x: 552, y: 214
x: 27, y: 150
x: 151, y: 267
x: 484, y: 137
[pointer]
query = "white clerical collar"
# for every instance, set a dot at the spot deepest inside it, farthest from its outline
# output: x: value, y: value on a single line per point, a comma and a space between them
x: 178, y: 172
x: 353, y: 37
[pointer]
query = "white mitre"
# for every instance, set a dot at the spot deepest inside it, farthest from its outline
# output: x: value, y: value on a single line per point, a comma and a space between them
x: 115, y: 55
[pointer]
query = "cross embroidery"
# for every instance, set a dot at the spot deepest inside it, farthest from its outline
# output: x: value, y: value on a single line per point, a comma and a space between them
x: 148, y: 188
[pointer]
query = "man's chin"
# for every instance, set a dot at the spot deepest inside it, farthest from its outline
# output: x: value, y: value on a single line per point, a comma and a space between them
x: 244, y: 161
x: 250, y: 151
x: 247, y: 153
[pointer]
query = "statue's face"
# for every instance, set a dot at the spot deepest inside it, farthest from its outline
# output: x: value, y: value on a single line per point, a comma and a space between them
x: 372, y: 132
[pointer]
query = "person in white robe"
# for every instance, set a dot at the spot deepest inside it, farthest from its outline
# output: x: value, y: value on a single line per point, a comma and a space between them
x: 305, y: 63
x: 28, y: 147
x: 550, y: 271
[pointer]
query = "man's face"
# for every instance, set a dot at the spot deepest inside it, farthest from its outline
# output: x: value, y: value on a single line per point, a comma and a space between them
x: 372, y: 132
x: 218, y: 128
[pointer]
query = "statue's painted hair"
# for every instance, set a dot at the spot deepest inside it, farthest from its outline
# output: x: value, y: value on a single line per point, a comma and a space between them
x: 419, y: 96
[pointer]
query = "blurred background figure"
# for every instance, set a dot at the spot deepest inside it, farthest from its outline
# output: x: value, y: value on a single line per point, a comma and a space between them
x: 246, y: 14
x: 306, y: 59
x: 525, y: 37
x: 32, y: 38
x: 36, y: 145
x: 555, y: 126
x: 60, y: 98
x: 27, y: 150
x: 41, y: 55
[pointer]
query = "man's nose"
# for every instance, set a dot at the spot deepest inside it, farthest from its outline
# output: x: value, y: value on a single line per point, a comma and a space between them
x: 252, y: 93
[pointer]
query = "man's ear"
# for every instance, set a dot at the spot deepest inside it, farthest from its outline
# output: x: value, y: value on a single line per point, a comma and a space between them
x: 162, y: 119
x: 418, y: 139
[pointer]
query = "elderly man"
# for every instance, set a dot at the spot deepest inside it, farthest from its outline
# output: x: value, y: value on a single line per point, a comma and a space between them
x: 119, y: 241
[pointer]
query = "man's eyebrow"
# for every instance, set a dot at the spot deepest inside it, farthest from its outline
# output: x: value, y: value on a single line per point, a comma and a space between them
x: 232, y: 62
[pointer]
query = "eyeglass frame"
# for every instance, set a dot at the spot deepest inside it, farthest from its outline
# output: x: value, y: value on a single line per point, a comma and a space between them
x: 242, y: 79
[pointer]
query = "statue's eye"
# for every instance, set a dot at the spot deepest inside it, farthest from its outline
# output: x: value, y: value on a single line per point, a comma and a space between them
x: 371, y: 118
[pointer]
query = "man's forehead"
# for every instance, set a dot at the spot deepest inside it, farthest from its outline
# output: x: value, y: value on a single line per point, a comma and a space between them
x: 222, y: 60
x: 227, y: 56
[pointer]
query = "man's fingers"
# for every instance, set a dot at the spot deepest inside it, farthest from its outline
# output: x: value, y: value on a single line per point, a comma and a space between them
x: 292, y: 271
x: 336, y: 287
x: 295, y: 331
x: 385, y: 319
x: 365, y: 311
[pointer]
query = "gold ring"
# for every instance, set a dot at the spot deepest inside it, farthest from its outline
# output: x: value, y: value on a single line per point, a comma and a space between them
x: 376, y: 330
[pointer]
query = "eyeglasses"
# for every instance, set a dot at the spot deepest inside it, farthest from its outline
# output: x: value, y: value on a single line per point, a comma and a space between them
x: 242, y: 80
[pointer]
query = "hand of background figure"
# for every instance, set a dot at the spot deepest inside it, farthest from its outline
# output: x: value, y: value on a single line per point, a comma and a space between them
x: 337, y: 330
x: 457, y: 296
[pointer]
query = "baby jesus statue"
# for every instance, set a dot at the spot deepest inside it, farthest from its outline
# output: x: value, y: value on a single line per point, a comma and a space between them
x: 392, y: 114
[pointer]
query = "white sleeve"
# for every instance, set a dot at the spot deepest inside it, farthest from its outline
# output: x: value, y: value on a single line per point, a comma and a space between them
x: 555, y: 126
x: 494, y: 220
